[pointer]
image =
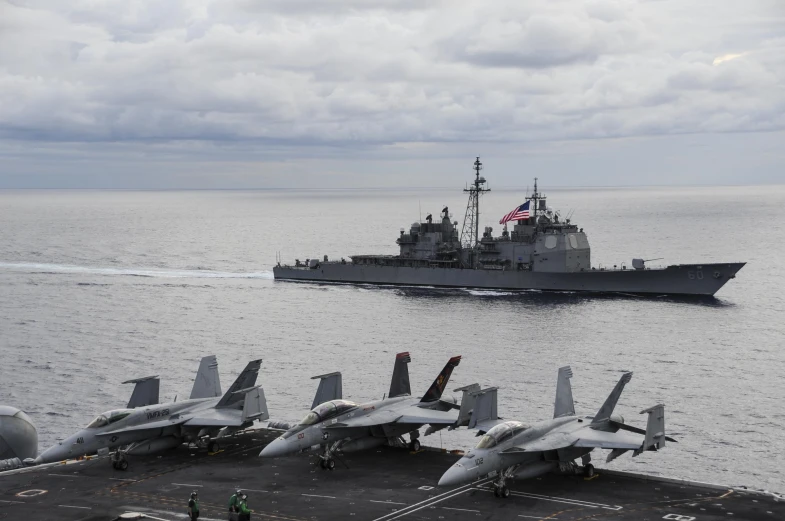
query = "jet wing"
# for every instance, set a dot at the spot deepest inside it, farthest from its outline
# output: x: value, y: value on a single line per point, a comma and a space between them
x: 161, y: 424
x: 590, y: 438
x: 553, y: 441
x: 376, y: 418
x: 418, y: 415
x: 609, y: 440
x: 216, y: 418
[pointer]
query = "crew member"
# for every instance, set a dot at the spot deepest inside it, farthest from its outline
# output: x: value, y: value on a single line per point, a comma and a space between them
x: 193, y: 507
x: 245, y: 514
x: 234, y: 501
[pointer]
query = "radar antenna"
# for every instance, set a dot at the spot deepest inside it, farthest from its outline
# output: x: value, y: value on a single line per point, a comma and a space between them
x: 470, y: 235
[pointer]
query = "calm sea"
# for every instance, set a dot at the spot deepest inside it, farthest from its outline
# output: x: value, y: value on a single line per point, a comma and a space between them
x: 97, y: 287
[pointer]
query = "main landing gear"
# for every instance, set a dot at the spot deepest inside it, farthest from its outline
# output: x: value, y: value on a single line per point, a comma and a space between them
x: 119, y: 460
x: 414, y: 443
x: 588, y: 468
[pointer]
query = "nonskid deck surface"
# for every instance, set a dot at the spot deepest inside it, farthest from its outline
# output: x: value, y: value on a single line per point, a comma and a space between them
x: 379, y: 485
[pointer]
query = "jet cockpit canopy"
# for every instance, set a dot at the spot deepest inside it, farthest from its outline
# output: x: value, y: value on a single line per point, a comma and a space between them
x: 500, y: 433
x: 326, y: 411
x: 108, y: 418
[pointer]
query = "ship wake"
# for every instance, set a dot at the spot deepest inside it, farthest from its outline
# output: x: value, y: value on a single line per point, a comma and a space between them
x: 164, y: 273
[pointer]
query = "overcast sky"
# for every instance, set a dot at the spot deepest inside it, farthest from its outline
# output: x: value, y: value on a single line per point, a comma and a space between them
x: 316, y: 93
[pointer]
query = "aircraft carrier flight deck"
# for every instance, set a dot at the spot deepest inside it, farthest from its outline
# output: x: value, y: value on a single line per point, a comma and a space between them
x: 385, y: 484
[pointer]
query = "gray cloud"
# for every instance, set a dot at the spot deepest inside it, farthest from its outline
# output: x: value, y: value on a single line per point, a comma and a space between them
x: 374, y: 80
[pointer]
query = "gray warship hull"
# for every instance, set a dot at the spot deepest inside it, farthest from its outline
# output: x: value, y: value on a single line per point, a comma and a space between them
x: 681, y: 279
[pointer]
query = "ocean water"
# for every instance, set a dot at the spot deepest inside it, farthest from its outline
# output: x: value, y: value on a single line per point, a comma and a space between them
x: 97, y: 287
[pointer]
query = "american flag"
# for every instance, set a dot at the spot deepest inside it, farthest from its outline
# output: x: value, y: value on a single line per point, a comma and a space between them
x: 521, y: 212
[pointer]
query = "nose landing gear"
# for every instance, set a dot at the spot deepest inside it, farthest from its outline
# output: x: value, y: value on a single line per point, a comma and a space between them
x: 326, y: 460
x: 500, y: 488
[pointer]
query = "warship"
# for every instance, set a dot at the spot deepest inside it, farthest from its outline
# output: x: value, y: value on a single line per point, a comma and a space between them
x: 541, y: 252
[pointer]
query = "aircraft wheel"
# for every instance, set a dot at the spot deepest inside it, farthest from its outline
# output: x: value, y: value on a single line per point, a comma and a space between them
x: 321, y: 463
x: 330, y: 464
x: 213, y: 446
x: 588, y: 470
x: 415, y: 445
x: 496, y: 490
x: 122, y: 465
x: 504, y: 492
x: 114, y: 465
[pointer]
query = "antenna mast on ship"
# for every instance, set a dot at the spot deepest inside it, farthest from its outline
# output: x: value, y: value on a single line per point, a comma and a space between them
x: 470, y: 235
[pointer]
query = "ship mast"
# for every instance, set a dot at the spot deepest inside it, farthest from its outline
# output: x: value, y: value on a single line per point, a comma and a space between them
x: 470, y: 235
x: 535, y: 198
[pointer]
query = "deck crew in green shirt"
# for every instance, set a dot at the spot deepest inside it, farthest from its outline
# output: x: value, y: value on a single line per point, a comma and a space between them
x: 234, y: 501
x: 245, y: 514
x: 193, y: 507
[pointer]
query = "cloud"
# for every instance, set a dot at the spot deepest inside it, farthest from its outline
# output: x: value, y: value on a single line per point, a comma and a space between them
x: 307, y: 77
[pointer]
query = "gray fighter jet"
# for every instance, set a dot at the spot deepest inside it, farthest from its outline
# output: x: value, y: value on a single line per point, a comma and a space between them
x: 511, y: 449
x: 348, y: 426
x: 146, y: 427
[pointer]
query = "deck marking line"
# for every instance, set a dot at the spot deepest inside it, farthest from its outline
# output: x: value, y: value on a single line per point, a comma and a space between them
x: 16, y: 502
x: 568, y: 501
x: 429, y: 500
x: 72, y: 506
x: 431, y: 504
x: 577, y: 502
x: 255, y: 490
x: 534, y: 517
x: 461, y: 509
x: 385, y: 502
x: 315, y: 495
x: 186, y: 485
x: 66, y: 475
x: 123, y: 479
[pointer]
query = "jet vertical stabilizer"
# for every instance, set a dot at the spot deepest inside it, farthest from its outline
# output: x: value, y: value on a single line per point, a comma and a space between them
x: 485, y: 414
x: 655, y: 429
x: 254, y: 405
x: 400, y: 385
x: 207, y: 384
x: 436, y: 389
x: 145, y: 391
x: 604, y: 414
x: 330, y: 388
x: 468, y: 401
x: 246, y: 380
x: 564, y: 406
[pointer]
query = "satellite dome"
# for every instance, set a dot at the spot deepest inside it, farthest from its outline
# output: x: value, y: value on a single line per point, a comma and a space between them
x: 18, y: 435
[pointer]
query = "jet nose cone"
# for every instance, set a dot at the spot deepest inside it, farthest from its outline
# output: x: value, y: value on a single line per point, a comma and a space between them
x: 52, y: 454
x: 278, y: 447
x: 454, y: 476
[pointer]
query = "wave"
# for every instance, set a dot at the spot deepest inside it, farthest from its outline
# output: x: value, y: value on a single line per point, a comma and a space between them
x: 58, y: 269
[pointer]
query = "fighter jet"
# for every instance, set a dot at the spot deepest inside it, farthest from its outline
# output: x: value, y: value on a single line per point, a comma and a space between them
x: 348, y: 426
x: 145, y: 426
x: 513, y: 449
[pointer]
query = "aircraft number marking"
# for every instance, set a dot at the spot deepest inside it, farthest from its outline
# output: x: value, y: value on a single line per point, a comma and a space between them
x: 301, y: 436
x: 80, y: 440
x: 158, y: 414
x: 678, y: 517
x: 692, y: 275
x: 478, y: 461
